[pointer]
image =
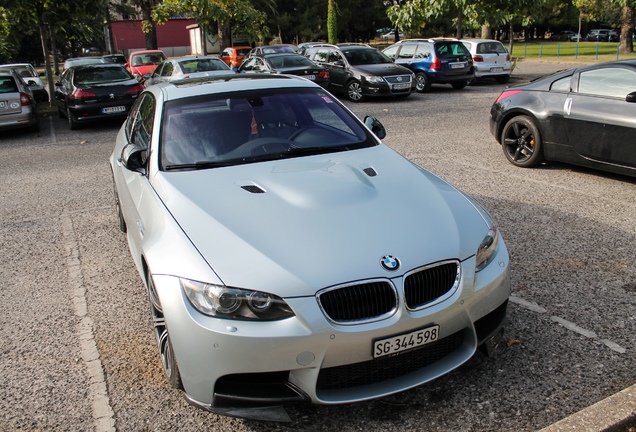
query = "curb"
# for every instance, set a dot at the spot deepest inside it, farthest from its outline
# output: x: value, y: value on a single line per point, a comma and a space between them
x: 617, y: 413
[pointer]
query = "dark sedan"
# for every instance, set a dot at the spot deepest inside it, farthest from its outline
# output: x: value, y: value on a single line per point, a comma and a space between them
x: 95, y: 92
x: 287, y: 63
x: 584, y: 116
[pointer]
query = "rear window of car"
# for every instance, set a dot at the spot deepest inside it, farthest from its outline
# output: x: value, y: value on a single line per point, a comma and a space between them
x: 289, y: 61
x: 451, y: 49
x: 8, y: 85
x: 23, y: 71
x: 89, y: 76
x: 202, y: 65
x: 243, y: 51
x: 147, y: 59
x: 491, y: 48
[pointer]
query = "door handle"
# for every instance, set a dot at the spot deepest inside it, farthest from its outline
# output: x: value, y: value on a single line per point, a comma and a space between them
x: 567, y: 106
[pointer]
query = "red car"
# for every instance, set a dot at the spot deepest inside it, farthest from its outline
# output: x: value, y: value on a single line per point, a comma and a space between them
x: 141, y: 63
x: 234, y: 56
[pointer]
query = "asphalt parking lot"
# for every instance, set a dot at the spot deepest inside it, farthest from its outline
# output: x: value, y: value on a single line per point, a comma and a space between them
x: 76, y: 347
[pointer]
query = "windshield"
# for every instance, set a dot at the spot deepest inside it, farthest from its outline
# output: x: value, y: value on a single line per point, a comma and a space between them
x: 358, y: 57
x: 147, y: 59
x: 247, y: 127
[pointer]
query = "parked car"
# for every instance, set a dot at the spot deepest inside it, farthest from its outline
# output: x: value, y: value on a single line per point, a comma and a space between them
x: 391, y: 35
x: 491, y: 59
x: 272, y: 49
x: 287, y: 63
x: 95, y: 92
x: 144, y: 62
x: 583, y: 116
x: 434, y: 61
x: 17, y: 103
x: 598, y: 35
x: 115, y: 58
x: 564, y: 36
x: 31, y: 78
x: 614, y: 36
x: 303, y: 47
x: 187, y: 67
x: 361, y: 71
x: 77, y: 61
x: 234, y: 56
x: 290, y: 256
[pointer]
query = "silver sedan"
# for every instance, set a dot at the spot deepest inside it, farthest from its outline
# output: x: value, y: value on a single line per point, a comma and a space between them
x: 187, y: 67
x: 290, y: 255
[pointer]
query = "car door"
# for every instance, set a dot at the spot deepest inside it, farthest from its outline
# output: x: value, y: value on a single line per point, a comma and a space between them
x: 338, y: 69
x: 131, y: 184
x: 63, y: 89
x: 600, y: 121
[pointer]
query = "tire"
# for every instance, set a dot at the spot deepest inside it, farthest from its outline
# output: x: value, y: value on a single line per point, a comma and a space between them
x: 168, y: 359
x: 120, y: 216
x: 72, y: 123
x: 459, y: 85
x: 521, y: 142
x: 354, y: 91
x: 422, y: 83
x: 503, y: 79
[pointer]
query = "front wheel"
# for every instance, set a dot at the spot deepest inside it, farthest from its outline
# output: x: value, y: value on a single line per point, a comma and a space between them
x: 354, y: 91
x: 521, y: 142
x: 168, y: 359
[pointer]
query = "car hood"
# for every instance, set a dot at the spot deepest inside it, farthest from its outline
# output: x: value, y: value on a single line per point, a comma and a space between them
x: 294, y: 226
x: 382, y: 69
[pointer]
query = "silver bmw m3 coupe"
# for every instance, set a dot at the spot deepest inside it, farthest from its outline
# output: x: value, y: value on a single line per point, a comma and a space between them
x: 290, y: 255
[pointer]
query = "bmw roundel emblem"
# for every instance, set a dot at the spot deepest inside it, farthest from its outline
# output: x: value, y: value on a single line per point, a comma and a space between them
x: 390, y: 263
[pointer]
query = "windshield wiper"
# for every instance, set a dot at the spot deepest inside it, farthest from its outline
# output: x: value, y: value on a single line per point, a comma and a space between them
x: 201, y: 165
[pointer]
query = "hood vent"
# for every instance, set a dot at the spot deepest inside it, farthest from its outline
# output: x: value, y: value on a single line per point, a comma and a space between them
x: 370, y: 172
x: 253, y: 188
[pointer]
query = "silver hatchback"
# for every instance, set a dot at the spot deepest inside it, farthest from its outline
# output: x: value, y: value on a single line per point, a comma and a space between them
x: 17, y: 104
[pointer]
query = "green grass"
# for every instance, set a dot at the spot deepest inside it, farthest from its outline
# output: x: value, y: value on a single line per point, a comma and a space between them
x: 568, y: 51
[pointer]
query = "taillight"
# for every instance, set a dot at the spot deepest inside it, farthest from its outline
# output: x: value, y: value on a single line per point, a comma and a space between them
x: 25, y: 100
x: 478, y: 58
x: 437, y: 64
x: 506, y: 94
x: 82, y: 94
x: 323, y: 74
x: 135, y: 89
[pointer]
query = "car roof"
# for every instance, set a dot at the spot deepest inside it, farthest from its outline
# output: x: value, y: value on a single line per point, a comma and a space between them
x: 178, y: 89
x: 15, y: 64
x: 476, y: 40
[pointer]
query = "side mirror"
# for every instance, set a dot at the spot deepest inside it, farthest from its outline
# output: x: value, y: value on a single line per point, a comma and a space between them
x: 631, y: 97
x: 134, y: 157
x: 375, y: 126
x: 58, y: 84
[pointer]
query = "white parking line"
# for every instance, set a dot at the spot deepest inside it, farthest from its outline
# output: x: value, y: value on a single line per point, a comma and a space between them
x: 103, y: 416
x: 53, y: 136
x: 567, y: 324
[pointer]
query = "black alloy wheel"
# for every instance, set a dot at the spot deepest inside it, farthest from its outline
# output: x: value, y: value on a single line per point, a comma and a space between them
x: 521, y: 142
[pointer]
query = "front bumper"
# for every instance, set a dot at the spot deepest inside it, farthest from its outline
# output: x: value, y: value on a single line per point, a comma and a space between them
x: 382, y: 89
x: 227, y: 366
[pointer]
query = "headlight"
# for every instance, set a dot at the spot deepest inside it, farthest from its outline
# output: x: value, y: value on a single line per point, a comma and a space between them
x: 374, y: 79
x: 233, y: 303
x: 487, y: 249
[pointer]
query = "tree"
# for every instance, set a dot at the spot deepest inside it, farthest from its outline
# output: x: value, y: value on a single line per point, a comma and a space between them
x: 332, y: 24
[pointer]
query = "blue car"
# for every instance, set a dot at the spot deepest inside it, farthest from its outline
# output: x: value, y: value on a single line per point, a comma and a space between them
x: 434, y: 61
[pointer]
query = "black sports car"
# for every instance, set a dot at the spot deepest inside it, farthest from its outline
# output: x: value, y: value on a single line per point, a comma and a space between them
x: 584, y: 116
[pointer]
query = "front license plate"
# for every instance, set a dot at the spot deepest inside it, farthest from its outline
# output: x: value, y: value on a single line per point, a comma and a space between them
x: 457, y: 65
x: 496, y: 69
x: 111, y: 110
x: 401, y: 86
x: 403, y: 342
